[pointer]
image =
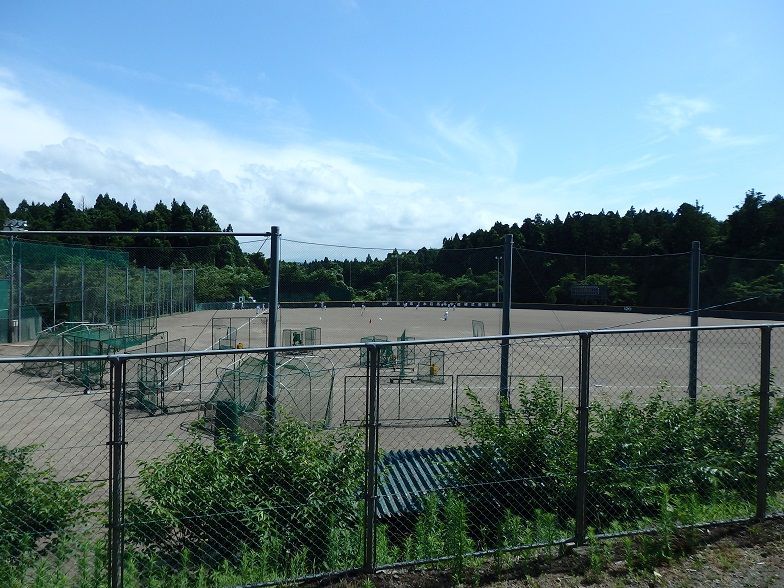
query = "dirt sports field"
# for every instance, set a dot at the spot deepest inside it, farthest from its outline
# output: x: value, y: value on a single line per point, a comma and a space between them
x: 422, y: 391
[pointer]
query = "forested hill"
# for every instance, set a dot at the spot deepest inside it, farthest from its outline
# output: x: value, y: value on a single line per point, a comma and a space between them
x: 754, y: 229
x: 107, y: 214
x: 634, y: 255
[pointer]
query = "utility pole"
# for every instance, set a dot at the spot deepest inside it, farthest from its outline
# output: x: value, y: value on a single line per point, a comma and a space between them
x: 12, y: 224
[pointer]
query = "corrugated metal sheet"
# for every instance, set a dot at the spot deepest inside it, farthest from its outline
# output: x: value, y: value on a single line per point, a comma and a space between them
x: 406, y: 476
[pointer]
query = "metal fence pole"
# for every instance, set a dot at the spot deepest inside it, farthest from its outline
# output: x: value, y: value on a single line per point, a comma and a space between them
x: 271, y: 400
x: 10, y: 333
x: 117, y: 471
x: 144, y: 292
x: 182, y: 307
x: 694, y: 314
x: 127, y: 293
x: 54, y: 294
x: 505, y: 326
x: 171, y: 291
x: 106, y: 293
x: 763, y: 433
x: 19, y: 302
x: 81, y: 289
x: 582, y: 437
x: 371, y: 455
x: 158, y: 298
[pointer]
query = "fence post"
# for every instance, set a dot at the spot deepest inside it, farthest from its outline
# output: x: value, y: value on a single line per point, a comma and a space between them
x: 11, y: 292
x: 54, y: 293
x: 144, y: 292
x: 116, y: 470
x: 371, y: 453
x: 81, y: 288
x: 582, y: 436
x: 763, y: 432
x: 271, y: 402
x: 106, y: 291
x: 694, y: 314
x: 505, y: 327
x: 19, y: 302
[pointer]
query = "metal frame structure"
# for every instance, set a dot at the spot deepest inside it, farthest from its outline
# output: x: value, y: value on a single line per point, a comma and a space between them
x: 371, y: 426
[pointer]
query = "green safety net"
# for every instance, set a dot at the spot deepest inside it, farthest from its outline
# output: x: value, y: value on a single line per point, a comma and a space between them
x: 55, y: 283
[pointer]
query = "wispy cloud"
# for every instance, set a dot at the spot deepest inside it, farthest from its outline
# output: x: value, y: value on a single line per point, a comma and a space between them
x: 129, y: 73
x: 216, y: 86
x: 722, y: 137
x: 490, y: 148
x: 673, y: 113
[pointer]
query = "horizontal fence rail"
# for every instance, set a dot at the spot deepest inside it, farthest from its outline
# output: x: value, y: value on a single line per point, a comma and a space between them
x: 240, y: 465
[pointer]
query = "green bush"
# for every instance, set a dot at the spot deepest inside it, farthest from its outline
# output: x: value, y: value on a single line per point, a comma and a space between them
x: 521, y: 465
x: 35, y: 509
x: 528, y: 462
x: 707, y: 449
x: 293, y: 493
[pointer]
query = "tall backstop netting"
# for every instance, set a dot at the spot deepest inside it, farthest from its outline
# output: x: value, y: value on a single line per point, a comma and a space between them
x: 45, y: 284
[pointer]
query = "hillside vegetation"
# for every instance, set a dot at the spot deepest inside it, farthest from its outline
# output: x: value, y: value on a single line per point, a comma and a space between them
x: 641, y: 256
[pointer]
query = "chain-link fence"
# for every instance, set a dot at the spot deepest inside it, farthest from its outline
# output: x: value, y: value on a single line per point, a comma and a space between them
x: 44, y: 285
x: 228, y: 466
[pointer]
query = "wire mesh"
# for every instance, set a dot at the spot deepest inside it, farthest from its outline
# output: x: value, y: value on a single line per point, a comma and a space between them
x: 50, y: 283
x: 217, y: 486
x: 53, y: 479
x: 653, y: 448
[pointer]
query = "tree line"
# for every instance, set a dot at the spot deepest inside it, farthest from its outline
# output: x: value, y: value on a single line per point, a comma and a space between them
x: 639, y: 257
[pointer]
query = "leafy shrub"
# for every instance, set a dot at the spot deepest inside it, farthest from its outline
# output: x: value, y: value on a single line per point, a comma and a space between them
x: 35, y: 508
x: 291, y: 494
x: 707, y: 449
x: 522, y: 465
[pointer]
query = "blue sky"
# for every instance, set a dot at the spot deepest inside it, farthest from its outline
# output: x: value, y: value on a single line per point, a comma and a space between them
x: 392, y: 124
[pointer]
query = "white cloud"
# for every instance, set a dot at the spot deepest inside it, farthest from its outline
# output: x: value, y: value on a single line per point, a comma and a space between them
x: 674, y: 113
x: 24, y: 123
x: 313, y: 192
x: 722, y: 137
x: 330, y: 191
x: 492, y: 150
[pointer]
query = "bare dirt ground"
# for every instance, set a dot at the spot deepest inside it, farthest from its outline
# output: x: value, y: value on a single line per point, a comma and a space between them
x: 732, y: 557
x: 72, y: 426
